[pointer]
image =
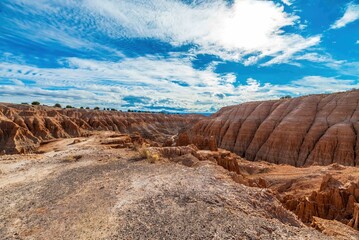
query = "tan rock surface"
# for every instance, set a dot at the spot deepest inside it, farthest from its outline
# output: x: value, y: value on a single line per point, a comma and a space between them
x: 111, y: 193
x: 316, y: 129
x: 335, y: 229
x: 24, y: 127
x: 328, y: 192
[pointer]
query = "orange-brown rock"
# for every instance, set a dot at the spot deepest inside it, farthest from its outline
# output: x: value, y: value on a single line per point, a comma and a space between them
x: 333, y: 200
x: 24, y: 127
x: 16, y: 139
x: 335, y: 229
x: 171, y: 152
x: 315, y: 129
x: 354, y: 222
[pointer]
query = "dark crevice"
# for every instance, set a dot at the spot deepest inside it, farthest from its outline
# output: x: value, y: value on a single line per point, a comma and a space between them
x: 356, y: 134
x: 336, y: 146
x: 264, y: 120
x: 239, y: 129
x: 355, y: 144
x: 229, y: 125
x: 224, y: 132
x: 323, y: 133
x: 274, y: 127
x: 306, y: 133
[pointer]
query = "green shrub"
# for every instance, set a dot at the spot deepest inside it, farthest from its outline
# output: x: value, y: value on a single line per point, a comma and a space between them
x: 286, y: 97
x: 36, y: 103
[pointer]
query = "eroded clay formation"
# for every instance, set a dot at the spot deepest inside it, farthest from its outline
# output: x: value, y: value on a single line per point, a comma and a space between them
x: 316, y: 129
x: 23, y: 127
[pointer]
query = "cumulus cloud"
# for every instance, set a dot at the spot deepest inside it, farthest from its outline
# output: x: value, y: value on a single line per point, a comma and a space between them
x: 351, y: 14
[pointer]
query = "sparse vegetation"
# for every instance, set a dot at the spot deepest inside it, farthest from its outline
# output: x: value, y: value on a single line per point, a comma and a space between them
x: 96, y: 108
x: 71, y: 158
x: 57, y: 105
x: 286, y: 97
x: 69, y: 106
x: 35, y: 103
x: 144, y: 152
x: 24, y: 103
x: 87, y: 108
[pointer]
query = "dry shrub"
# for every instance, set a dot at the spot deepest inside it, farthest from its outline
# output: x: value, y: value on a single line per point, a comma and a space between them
x: 72, y: 158
x: 151, y: 157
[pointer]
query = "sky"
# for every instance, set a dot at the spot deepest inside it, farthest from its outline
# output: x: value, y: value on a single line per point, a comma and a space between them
x: 175, y: 55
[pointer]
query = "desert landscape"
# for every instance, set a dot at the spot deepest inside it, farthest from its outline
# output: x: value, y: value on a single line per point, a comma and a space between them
x: 179, y: 119
x: 94, y: 174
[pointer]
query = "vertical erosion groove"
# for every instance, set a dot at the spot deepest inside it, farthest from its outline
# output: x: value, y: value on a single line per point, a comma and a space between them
x: 320, y: 140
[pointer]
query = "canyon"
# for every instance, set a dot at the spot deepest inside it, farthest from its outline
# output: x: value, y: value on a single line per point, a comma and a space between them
x: 279, y: 169
x: 24, y: 127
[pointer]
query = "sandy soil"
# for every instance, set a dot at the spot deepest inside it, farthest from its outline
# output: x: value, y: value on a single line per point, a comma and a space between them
x: 89, y: 190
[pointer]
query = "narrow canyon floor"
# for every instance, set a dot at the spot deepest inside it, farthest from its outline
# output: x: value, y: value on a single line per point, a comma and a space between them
x: 87, y: 188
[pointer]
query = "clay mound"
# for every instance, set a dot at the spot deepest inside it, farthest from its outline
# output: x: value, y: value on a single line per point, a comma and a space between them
x: 15, y: 139
x: 316, y: 129
x: 24, y: 127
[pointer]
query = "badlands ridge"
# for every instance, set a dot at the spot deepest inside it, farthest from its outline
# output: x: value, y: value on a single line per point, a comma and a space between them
x: 284, y: 169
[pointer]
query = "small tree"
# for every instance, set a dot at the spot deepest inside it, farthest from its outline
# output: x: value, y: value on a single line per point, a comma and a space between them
x: 286, y: 97
x: 81, y: 107
x: 87, y: 108
x: 36, y: 103
x: 69, y: 106
x: 96, y: 108
x: 57, y: 105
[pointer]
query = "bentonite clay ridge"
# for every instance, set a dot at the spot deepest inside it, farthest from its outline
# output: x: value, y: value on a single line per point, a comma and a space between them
x: 24, y: 127
x: 315, y: 129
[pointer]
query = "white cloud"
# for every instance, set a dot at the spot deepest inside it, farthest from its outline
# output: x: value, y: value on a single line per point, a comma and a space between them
x: 172, y: 82
x: 287, y: 2
x: 246, y: 28
x: 357, y: 42
x: 18, y: 82
x: 351, y: 14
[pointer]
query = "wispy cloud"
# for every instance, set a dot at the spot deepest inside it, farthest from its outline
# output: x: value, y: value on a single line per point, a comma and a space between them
x: 351, y: 14
x: 288, y: 2
x: 157, y: 54
x: 235, y: 32
x: 149, y: 82
x: 247, y: 27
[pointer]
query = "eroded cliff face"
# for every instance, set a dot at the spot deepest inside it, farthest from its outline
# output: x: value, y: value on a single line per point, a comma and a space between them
x: 334, y: 200
x: 316, y: 129
x: 24, y: 127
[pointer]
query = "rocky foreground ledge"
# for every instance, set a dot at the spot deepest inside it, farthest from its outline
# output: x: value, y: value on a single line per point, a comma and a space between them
x: 101, y: 187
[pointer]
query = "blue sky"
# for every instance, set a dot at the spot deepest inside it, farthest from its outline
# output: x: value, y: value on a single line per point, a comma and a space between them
x: 183, y: 56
